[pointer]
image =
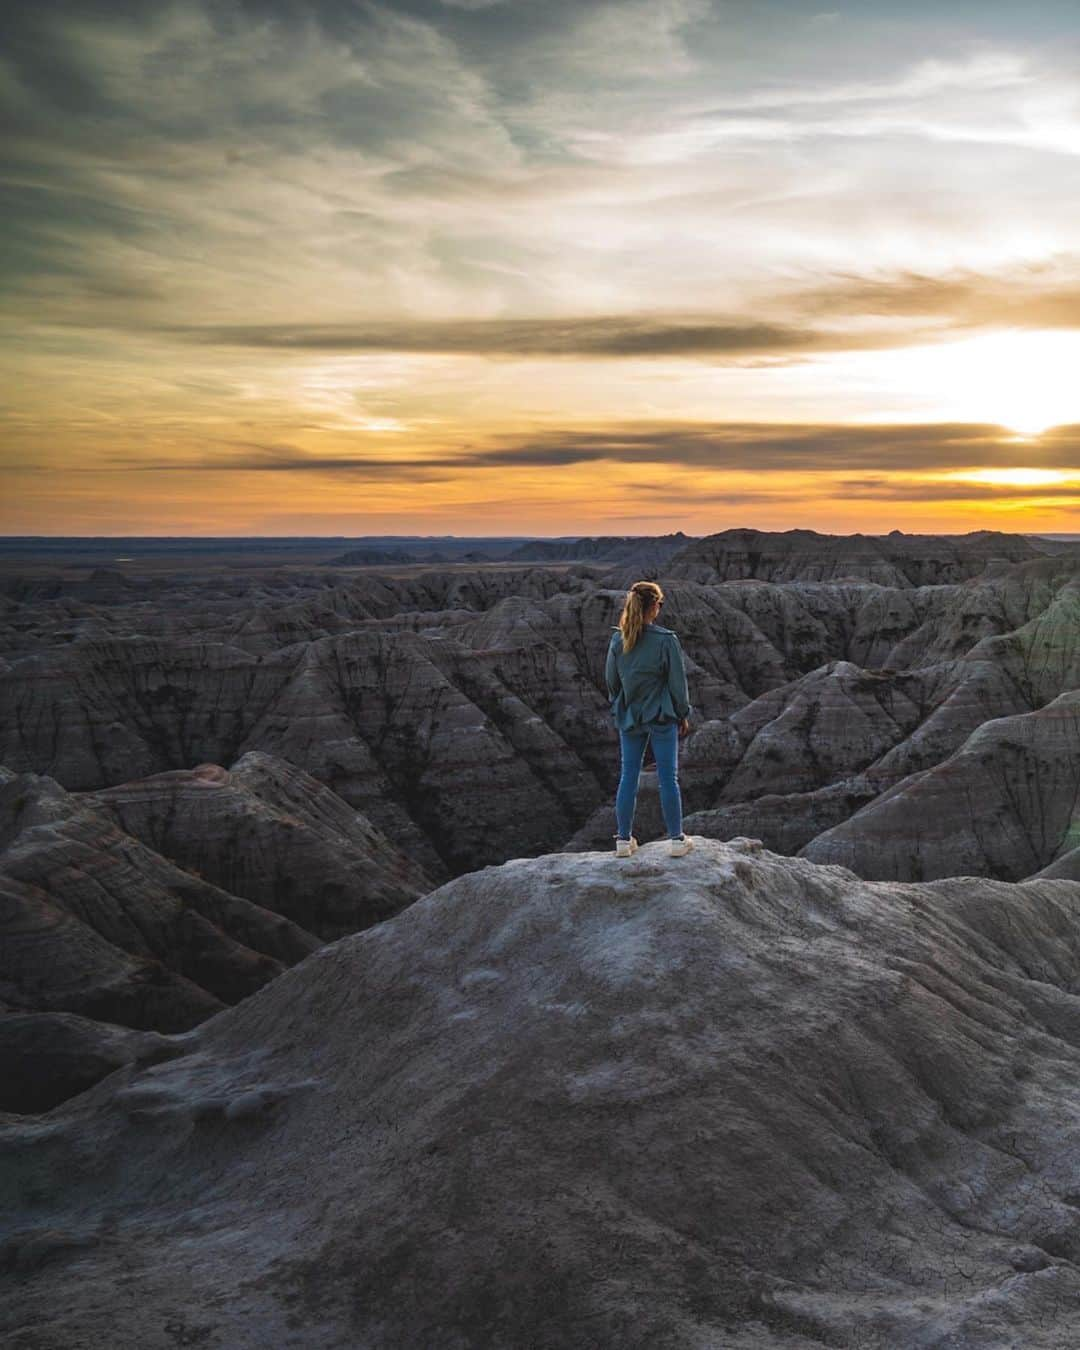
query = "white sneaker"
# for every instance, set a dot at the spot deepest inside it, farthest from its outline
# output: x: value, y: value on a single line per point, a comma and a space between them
x: 624, y: 847
x: 681, y: 845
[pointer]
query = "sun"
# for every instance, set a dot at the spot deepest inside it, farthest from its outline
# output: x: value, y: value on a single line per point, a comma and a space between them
x: 1024, y: 380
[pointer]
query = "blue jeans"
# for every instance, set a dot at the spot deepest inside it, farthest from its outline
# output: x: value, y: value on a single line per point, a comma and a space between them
x: 665, y: 745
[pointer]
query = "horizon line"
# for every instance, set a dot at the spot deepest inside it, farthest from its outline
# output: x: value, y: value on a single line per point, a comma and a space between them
x: 553, y: 538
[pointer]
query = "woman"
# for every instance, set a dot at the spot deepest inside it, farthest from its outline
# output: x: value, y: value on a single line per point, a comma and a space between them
x: 646, y: 681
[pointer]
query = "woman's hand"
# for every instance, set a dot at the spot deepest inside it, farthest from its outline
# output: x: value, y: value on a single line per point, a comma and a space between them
x: 684, y: 728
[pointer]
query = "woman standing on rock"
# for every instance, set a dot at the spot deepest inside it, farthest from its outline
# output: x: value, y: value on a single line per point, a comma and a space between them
x: 646, y: 681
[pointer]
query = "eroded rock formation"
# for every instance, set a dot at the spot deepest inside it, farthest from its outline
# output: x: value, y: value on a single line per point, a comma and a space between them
x: 269, y: 832
x: 1005, y: 804
x: 154, y: 904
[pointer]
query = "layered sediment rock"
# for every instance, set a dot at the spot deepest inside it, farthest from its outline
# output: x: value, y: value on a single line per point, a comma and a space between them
x: 154, y: 904
x: 421, y: 735
x: 96, y: 923
x: 730, y: 1099
x: 1005, y: 804
x: 269, y: 832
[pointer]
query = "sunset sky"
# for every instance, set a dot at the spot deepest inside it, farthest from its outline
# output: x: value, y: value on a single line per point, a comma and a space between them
x: 539, y: 266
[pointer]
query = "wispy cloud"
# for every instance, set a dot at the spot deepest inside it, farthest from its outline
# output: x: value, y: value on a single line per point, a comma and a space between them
x: 881, y: 489
x: 631, y: 335
x: 758, y: 447
x: 1044, y: 293
x: 287, y: 459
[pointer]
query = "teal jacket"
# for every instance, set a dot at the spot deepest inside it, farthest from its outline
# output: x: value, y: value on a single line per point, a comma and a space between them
x: 647, y: 685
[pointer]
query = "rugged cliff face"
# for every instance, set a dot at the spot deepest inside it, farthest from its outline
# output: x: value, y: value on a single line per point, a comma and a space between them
x: 730, y: 1099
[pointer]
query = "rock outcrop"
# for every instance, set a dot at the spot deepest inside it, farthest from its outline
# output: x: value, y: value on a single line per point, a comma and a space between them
x: 730, y: 1099
x: 1049, y: 544
x: 433, y: 743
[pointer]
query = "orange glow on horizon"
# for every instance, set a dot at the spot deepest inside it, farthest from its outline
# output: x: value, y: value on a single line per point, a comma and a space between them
x: 600, y: 498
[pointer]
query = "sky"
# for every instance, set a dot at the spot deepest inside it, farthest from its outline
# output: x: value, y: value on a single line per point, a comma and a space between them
x: 292, y: 267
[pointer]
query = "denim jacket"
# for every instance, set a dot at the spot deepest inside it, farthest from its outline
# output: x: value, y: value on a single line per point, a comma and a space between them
x: 647, y: 685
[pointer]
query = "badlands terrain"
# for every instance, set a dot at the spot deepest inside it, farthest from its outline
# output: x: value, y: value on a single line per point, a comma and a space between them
x: 326, y: 1017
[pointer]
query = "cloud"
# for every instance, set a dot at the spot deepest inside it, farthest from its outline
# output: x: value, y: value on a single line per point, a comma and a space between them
x: 993, y: 97
x: 751, y: 447
x: 980, y: 70
x: 912, y: 307
x: 783, y: 448
x: 312, y: 163
x: 620, y: 335
x: 695, y: 499
x: 210, y: 156
x: 1040, y: 294
x: 292, y: 459
x: 883, y: 490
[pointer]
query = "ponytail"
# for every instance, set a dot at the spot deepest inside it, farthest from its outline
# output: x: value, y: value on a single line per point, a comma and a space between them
x: 640, y: 598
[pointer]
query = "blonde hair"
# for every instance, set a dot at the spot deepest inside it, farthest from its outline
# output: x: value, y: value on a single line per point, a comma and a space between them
x: 640, y: 598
